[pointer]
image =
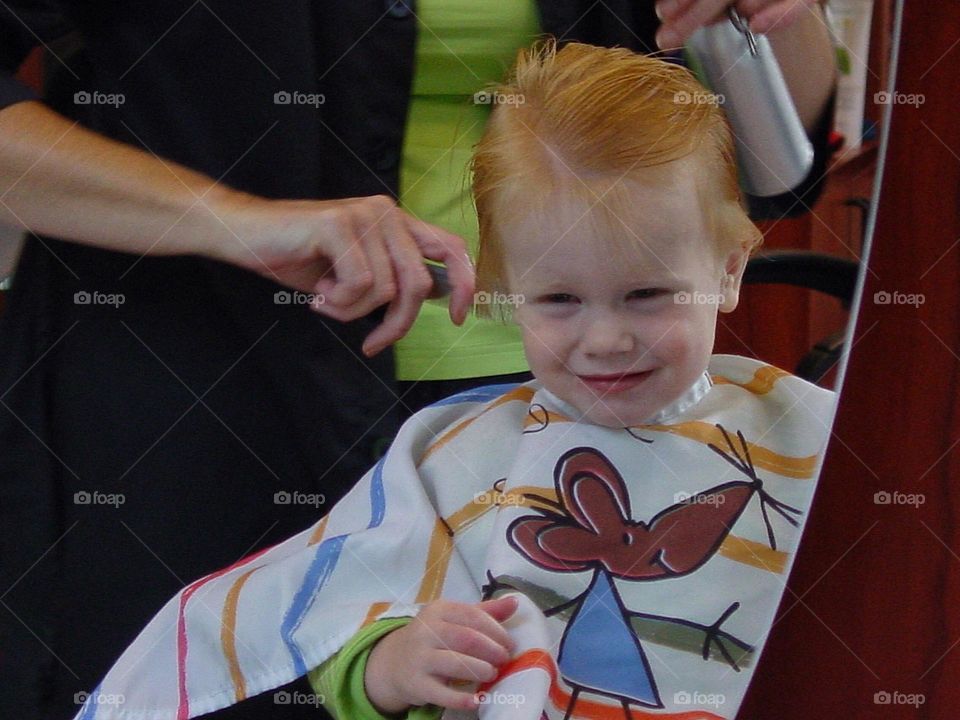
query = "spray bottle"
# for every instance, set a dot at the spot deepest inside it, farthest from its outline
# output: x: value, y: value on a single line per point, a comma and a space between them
x: 773, y: 152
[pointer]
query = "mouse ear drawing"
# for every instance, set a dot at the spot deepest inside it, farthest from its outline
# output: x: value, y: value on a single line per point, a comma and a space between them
x: 593, y: 528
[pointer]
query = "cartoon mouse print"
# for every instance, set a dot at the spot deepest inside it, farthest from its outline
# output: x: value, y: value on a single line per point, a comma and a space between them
x: 591, y: 529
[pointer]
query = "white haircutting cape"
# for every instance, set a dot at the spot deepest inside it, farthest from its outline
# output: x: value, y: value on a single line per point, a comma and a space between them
x: 651, y: 559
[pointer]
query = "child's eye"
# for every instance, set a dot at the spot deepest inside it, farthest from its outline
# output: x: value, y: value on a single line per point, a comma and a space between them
x: 644, y: 293
x: 559, y: 298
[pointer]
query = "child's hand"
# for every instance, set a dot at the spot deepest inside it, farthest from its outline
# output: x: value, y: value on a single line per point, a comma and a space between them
x: 446, y: 641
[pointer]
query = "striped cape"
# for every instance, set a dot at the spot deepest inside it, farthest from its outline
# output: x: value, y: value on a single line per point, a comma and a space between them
x: 651, y: 559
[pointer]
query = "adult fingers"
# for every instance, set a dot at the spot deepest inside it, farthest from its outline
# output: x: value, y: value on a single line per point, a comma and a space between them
x: 358, y: 232
x: 412, y: 280
x: 351, y: 276
x: 766, y: 16
x: 667, y: 10
x: 681, y: 18
x: 349, y: 279
x: 373, y: 236
x: 437, y: 244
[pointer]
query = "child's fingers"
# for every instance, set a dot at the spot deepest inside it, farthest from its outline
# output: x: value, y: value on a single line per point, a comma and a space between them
x: 501, y: 608
x: 476, y: 618
x: 461, y: 638
x: 436, y: 691
x: 454, y: 665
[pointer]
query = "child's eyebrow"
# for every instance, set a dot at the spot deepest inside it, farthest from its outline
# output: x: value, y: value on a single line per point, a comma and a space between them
x: 565, y: 281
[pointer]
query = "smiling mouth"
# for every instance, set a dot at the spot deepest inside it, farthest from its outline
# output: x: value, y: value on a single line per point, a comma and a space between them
x: 614, y: 383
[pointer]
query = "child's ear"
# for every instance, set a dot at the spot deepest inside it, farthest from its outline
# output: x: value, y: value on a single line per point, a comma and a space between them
x: 734, y: 267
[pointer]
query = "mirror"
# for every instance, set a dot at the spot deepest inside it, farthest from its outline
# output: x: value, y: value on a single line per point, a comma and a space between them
x: 837, y: 227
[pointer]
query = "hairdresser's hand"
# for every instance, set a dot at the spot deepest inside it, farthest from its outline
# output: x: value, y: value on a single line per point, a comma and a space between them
x: 59, y: 179
x: 356, y: 254
x: 446, y: 641
x: 681, y: 18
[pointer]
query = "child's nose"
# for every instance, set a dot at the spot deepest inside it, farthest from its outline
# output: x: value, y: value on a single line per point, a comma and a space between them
x: 608, y: 335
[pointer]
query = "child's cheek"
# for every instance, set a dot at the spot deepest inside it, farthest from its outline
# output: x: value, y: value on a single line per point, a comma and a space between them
x: 688, y: 342
x: 657, y: 321
x: 522, y: 316
x: 666, y: 326
x: 547, y: 340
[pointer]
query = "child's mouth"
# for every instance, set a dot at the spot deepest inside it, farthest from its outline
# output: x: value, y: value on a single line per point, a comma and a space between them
x: 614, y: 383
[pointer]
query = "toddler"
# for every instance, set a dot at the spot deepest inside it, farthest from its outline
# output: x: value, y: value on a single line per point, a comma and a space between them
x: 640, y: 501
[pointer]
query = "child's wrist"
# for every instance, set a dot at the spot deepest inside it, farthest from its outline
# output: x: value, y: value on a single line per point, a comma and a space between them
x: 381, y: 691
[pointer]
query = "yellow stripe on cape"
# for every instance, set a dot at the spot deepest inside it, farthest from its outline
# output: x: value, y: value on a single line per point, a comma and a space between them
x: 792, y: 467
x: 761, y: 383
x: 801, y: 468
x: 521, y: 393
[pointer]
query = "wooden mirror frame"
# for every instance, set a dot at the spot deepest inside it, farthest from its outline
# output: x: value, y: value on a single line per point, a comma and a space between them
x: 873, y: 603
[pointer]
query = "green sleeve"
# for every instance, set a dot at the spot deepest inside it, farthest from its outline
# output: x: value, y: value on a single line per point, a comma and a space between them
x: 339, y: 681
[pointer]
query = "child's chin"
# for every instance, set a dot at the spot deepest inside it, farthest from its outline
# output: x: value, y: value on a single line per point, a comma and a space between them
x: 613, y: 419
x: 616, y: 410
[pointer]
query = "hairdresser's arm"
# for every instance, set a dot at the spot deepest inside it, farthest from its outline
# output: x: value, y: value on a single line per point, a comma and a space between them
x: 808, y: 61
x: 59, y: 179
x: 797, y: 32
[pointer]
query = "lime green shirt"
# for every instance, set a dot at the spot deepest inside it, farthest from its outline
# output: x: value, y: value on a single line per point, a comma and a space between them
x: 339, y: 681
x: 462, y: 47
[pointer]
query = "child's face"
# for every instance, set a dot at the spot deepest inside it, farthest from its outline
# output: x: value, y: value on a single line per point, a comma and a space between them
x: 606, y: 329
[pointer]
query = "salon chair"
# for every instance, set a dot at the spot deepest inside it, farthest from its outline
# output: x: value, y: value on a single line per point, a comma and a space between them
x: 828, y: 274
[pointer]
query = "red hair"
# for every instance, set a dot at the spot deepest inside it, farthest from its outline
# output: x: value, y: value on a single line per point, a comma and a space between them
x: 571, y: 120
